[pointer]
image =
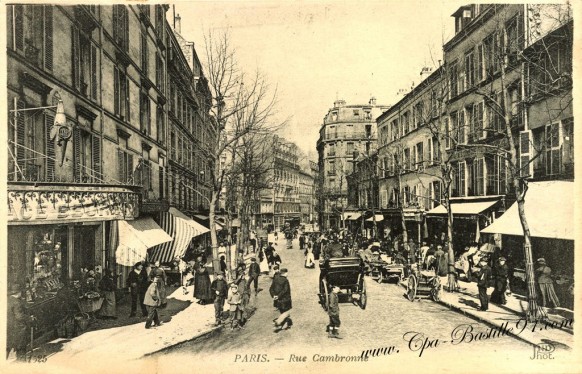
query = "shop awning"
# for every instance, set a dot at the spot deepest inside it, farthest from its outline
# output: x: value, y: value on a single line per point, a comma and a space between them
x: 463, y: 208
x: 201, y: 217
x: 379, y: 218
x: 135, y: 237
x: 549, y: 211
x: 182, y: 229
x: 351, y: 216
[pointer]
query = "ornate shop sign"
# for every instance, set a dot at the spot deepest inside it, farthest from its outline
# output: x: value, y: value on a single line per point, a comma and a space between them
x: 40, y: 205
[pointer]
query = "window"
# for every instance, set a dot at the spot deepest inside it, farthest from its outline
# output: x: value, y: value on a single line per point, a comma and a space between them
x: 84, y: 66
x: 469, y: 69
x: 121, y: 26
x: 395, y: 129
x: 479, y: 76
x: 461, y: 179
x: 349, y: 148
x: 144, y: 53
x: 495, y: 175
x: 331, y: 167
x: 405, y: 123
x: 514, y: 43
x: 435, y: 193
x: 87, y: 156
x: 32, y: 30
x: 453, y: 76
x: 418, y: 112
x: 161, y: 124
x: 160, y: 73
x: 144, y: 113
x: 331, y: 151
x: 121, y: 92
x: 125, y: 166
x: 419, y: 154
x: 356, y: 113
x: 553, y: 149
x: 477, y: 120
x: 479, y: 177
x: 492, y: 54
x: 406, y: 159
x: 434, y: 105
x: 458, y: 127
x: 160, y: 20
x: 495, y: 121
x: 448, y: 133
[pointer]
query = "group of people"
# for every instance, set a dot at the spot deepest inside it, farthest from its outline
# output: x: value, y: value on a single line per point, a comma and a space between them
x: 147, y: 287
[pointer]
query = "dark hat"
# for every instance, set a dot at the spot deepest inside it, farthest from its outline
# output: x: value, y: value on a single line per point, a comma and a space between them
x: 253, y: 259
x: 158, y: 272
x: 284, y: 270
x: 137, y: 264
x: 220, y: 273
x: 502, y: 259
x: 275, y: 267
x: 541, y: 259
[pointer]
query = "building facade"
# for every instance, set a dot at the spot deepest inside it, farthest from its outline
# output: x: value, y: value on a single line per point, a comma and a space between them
x: 346, y: 130
x: 93, y: 141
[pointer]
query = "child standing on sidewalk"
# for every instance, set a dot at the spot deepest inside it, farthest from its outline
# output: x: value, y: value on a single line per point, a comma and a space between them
x: 234, y: 300
x: 333, y: 312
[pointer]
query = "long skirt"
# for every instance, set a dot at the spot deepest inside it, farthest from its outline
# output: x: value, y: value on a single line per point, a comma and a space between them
x: 548, y: 294
x: 202, y: 287
x: 108, y: 308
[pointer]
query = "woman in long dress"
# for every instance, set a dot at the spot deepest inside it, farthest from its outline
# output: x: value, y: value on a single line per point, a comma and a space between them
x: 107, y: 287
x: 202, y: 282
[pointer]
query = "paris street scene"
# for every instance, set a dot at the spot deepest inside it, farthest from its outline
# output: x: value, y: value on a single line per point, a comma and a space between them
x: 290, y: 186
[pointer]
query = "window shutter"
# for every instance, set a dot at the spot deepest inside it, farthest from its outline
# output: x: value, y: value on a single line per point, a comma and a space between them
x: 121, y: 165
x: 126, y: 98
x: 49, y: 120
x: 20, y: 140
x: 96, y: 158
x: 77, y: 172
x: 116, y: 90
x: 76, y: 58
x: 48, y: 37
x: 130, y: 171
x: 525, y: 165
x: 18, y: 19
x: 94, y: 72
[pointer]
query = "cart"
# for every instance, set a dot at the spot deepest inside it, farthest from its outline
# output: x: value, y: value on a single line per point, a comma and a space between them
x: 424, y: 283
x: 383, y: 268
x: 348, y: 274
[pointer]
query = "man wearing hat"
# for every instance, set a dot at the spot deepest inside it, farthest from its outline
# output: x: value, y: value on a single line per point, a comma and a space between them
x: 136, y: 281
x: 276, y: 284
x: 483, y: 282
x: 500, y: 274
x: 220, y: 290
x: 254, y: 272
x: 283, y: 299
x: 152, y: 301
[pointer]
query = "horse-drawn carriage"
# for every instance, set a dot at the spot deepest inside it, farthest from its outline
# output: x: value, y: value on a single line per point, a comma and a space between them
x: 384, y: 268
x: 423, y: 283
x: 348, y: 274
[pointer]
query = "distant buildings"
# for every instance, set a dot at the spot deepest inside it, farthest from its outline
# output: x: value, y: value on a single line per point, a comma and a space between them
x: 347, y: 130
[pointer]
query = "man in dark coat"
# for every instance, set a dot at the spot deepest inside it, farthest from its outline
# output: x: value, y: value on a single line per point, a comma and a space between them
x: 483, y: 282
x: 275, y: 284
x: 254, y: 273
x: 333, y: 312
x: 137, y: 282
x: 220, y: 289
x: 500, y: 274
x: 283, y: 298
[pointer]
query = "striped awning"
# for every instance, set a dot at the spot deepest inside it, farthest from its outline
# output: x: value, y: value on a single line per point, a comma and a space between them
x: 182, y: 229
x: 135, y: 237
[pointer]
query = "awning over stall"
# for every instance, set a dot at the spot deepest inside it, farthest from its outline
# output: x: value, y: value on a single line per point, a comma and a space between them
x: 463, y: 208
x: 136, y: 237
x: 182, y: 229
x: 549, y: 211
x: 351, y: 216
x: 379, y: 218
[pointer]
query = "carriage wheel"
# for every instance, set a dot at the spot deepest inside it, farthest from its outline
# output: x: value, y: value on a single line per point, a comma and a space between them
x: 411, y: 287
x: 363, y: 296
x: 380, y: 276
x: 435, y: 292
x: 325, y: 295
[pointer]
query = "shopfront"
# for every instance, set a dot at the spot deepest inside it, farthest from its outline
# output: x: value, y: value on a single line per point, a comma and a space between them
x: 53, y: 233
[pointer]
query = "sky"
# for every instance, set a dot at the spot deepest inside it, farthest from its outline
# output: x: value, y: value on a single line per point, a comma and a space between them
x: 315, y: 52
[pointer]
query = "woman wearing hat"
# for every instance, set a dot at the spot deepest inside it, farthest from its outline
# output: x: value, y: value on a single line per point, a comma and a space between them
x: 500, y: 274
x: 546, y: 284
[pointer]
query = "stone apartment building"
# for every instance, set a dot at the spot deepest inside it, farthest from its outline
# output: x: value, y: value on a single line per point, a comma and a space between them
x: 346, y: 130
x: 102, y: 107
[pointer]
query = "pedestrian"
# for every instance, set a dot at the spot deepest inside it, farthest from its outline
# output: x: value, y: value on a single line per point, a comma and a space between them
x: 223, y: 264
x: 275, y: 258
x: 107, y: 287
x: 18, y: 328
x: 423, y: 252
x: 152, y: 301
x: 254, y: 273
x: 284, y: 304
x: 301, y: 241
x: 244, y: 288
x: 483, y: 282
x: 253, y: 240
x: 220, y: 289
x: 333, y: 312
x: 275, y: 284
x: 163, y: 281
x: 500, y: 274
x: 441, y: 261
x: 309, y: 260
x: 234, y: 302
x: 137, y: 282
x: 202, y: 282
x: 546, y: 284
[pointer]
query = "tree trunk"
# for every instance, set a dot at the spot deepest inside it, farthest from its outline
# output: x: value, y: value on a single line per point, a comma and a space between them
x: 451, y: 281
x: 213, y: 236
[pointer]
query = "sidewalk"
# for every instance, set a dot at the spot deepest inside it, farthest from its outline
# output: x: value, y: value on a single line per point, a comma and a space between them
x: 559, y: 331
x: 134, y: 340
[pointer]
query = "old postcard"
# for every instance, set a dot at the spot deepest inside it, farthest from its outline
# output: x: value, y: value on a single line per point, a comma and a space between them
x: 264, y: 186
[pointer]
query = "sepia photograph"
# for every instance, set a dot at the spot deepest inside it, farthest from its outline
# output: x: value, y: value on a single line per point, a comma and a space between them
x: 289, y: 186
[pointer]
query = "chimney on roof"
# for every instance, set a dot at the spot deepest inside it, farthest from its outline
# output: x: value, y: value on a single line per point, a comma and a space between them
x: 339, y: 103
x: 178, y: 23
x: 372, y: 101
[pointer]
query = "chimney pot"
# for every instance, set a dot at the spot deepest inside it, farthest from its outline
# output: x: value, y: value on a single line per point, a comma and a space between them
x: 178, y: 24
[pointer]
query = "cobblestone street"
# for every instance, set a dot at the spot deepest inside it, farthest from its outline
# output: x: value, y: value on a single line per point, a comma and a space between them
x: 387, y: 318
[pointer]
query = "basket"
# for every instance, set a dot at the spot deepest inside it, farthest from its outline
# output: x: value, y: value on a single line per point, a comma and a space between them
x: 82, y: 320
x: 90, y: 305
